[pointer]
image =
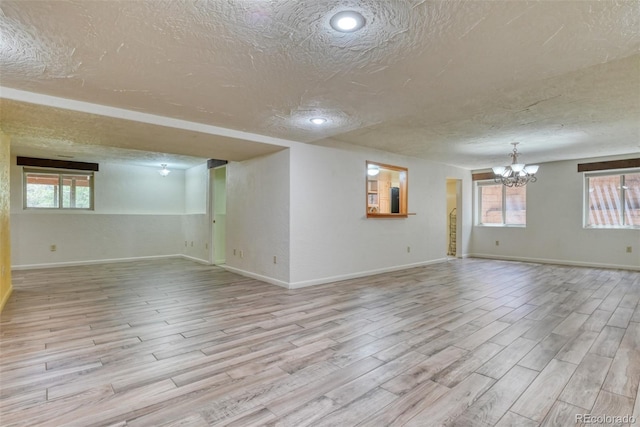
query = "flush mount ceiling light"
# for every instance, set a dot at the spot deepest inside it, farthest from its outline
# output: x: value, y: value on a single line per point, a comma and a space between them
x: 373, y: 170
x: 516, y: 174
x: 318, y: 120
x: 164, y: 171
x: 347, y: 21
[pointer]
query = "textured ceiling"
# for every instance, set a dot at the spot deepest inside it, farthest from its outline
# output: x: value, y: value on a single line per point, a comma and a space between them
x: 452, y: 81
x: 41, y: 131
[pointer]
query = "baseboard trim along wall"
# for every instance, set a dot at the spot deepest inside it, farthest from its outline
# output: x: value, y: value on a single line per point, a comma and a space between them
x: 556, y: 262
x: 194, y: 259
x: 260, y: 277
x: 98, y: 261
x: 331, y: 279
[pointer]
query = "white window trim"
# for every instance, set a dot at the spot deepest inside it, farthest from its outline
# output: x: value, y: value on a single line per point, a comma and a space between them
x: 478, y: 205
x: 60, y: 173
x: 585, y: 200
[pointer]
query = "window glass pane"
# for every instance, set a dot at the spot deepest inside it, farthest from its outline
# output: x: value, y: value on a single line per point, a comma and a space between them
x: 76, y: 191
x: 516, y: 205
x: 491, y: 204
x: 604, y: 200
x: 632, y: 199
x: 42, y: 190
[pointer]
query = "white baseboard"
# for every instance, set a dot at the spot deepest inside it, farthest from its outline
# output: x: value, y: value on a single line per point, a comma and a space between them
x: 330, y: 279
x: 556, y: 262
x: 91, y: 262
x: 260, y: 277
x: 194, y: 259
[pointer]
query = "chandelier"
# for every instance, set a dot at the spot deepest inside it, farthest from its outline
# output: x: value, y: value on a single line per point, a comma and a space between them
x: 164, y: 171
x: 516, y: 174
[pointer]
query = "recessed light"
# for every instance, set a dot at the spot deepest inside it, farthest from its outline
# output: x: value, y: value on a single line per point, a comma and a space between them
x: 318, y: 120
x: 347, y: 21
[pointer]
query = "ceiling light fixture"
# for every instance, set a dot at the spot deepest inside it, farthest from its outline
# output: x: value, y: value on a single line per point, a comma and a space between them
x: 516, y: 174
x: 373, y: 170
x: 164, y: 171
x: 318, y: 120
x: 347, y: 21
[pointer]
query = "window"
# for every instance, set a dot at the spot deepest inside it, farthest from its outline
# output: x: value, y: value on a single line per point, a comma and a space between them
x: 386, y: 190
x: 501, y: 205
x: 58, y: 189
x: 612, y: 199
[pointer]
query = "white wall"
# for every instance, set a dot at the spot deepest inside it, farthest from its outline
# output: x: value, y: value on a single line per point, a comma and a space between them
x: 123, y: 188
x: 257, y: 217
x: 120, y: 188
x: 332, y: 239
x: 195, y: 233
x: 195, y: 189
x: 138, y: 214
x: 554, y: 231
x: 91, y: 238
x: 195, y: 222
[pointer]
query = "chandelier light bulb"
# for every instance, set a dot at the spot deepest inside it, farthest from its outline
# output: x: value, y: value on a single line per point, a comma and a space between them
x: 516, y: 174
x: 164, y: 171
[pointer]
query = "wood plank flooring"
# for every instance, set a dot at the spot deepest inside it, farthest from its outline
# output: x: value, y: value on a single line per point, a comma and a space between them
x: 461, y: 343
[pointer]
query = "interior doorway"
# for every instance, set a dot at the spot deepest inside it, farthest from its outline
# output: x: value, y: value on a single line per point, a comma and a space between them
x: 454, y: 187
x: 218, y: 190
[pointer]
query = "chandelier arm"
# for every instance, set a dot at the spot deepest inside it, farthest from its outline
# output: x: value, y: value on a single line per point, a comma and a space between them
x: 514, y: 178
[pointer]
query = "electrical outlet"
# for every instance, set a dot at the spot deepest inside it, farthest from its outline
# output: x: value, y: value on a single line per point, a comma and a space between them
x: 206, y: 246
x: 497, y: 242
x: 408, y: 249
x: 275, y: 260
x: 629, y: 249
x: 53, y: 248
x: 234, y: 252
x: 192, y: 243
x: 241, y: 254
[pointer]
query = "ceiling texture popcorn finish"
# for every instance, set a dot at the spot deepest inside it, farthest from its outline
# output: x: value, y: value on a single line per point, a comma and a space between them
x: 450, y: 81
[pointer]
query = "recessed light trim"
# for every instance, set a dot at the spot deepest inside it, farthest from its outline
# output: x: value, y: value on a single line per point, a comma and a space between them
x: 347, y: 21
x: 318, y: 120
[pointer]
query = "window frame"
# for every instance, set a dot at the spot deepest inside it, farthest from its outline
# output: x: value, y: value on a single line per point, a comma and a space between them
x: 478, y: 205
x: 60, y: 173
x: 621, y: 198
x: 403, y: 196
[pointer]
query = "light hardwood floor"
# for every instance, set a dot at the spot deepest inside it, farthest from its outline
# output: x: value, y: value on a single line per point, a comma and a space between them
x: 464, y: 343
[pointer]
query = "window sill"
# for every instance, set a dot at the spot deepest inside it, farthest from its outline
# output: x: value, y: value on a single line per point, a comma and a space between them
x: 611, y: 227
x: 57, y: 210
x: 374, y: 215
x: 501, y: 225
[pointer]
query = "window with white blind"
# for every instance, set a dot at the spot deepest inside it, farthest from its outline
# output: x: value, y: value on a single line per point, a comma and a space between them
x: 612, y: 200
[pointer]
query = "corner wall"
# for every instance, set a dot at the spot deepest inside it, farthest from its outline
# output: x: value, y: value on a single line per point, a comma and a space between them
x: 258, y: 218
x: 5, y: 238
x: 195, y: 221
x: 138, y: 214
x: 331, y: 237
x: 554, y: 231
